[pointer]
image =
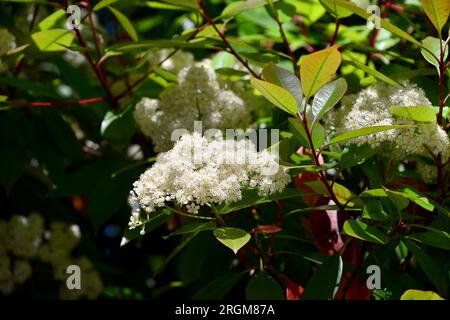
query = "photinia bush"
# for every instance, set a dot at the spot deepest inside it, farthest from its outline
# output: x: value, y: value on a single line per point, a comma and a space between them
x: 254, y: 149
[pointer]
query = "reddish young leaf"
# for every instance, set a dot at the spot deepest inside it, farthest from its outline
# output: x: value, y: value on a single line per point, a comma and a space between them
x: 267, y: 229
x: 294, y: 291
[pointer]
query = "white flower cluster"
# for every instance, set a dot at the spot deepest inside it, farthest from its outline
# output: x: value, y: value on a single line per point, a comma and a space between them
x: 175, y: 63
x: 370, y: 107
x: 200, y: 171
x: 25, y: 239
x: 197, y: 96
x: 7, y: 42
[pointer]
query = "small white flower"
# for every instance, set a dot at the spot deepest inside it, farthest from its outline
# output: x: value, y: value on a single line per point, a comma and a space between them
x: 197, y: 96
x: 370, y: 107
x: 223, y: 170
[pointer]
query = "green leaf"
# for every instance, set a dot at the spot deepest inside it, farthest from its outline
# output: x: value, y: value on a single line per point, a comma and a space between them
x: 193, y: 227
x: 360, y: 230
x: 251, y: 198
x: 317, y: 69
x: 435, y: 238
x: 438, y: 12
x: 363, y: 132
x: 327, y: 97
x: 324, y: 283
x: 399, y: 201
x: 383, y: 22
x: 335, y: 10
x: 416, y: 113
x: 52, y: 40
x: 428, y: 265
x: 236, y: 7
x: 372, y: 72
x: 118, y: 127
x: 218, y: 288
x: 283, y: 78
x: 279, y: 96
x: 318, y: 134
x: 182, y: 244
x: 344, y: 195
x: 191, y: 4
x: 413, y: 294
x: 374, y: 210
x: 356, y: 155
x: 104, y: 3
x: 433, y: 45
x: 125, y: 23
x: 232, y: 238
x: 263, y: 287
x: 52, y: 20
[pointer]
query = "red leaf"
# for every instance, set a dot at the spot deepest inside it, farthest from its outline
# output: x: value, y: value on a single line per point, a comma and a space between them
x: 294, y: 291
x: 325, y: 229
x: 267, y: 229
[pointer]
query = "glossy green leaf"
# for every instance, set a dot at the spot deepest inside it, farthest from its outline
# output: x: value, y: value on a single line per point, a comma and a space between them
x: 327, y: 97
x: 318, y: 134
x: 324, y: 283
x: 125, y: 23
x: 317, y: 69
x: 362, y: 132
x: 438, y: 12
x: 283, y: 78
x: 433, y: 237
x: 232, y: 238
x: 52, y: 20
x: 52, y: 39
x: 416, y: 113
x: 374, y: 210
x: 433, y: 45
x: 277, y: 95
x: 344, y: 195
x: 236, y: 7
x: 360, y: 230
x: 263, y: 287
x: 335, y: 10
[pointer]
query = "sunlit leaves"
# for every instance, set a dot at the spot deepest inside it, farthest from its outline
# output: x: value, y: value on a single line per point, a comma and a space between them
x: 283, y: 78
x: 51, y: 20
x: 438, y: 12
x: 433, y: 54
x: 318, y: 68
x: 233, y: 238
x: 360, y: 230
x: 277, y: 95
x: 362, y: 132
x: 327, y: 97
x: 335, y: 10
x: 236, y: 7
x: 416, y: 113
x: 52, y: 39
